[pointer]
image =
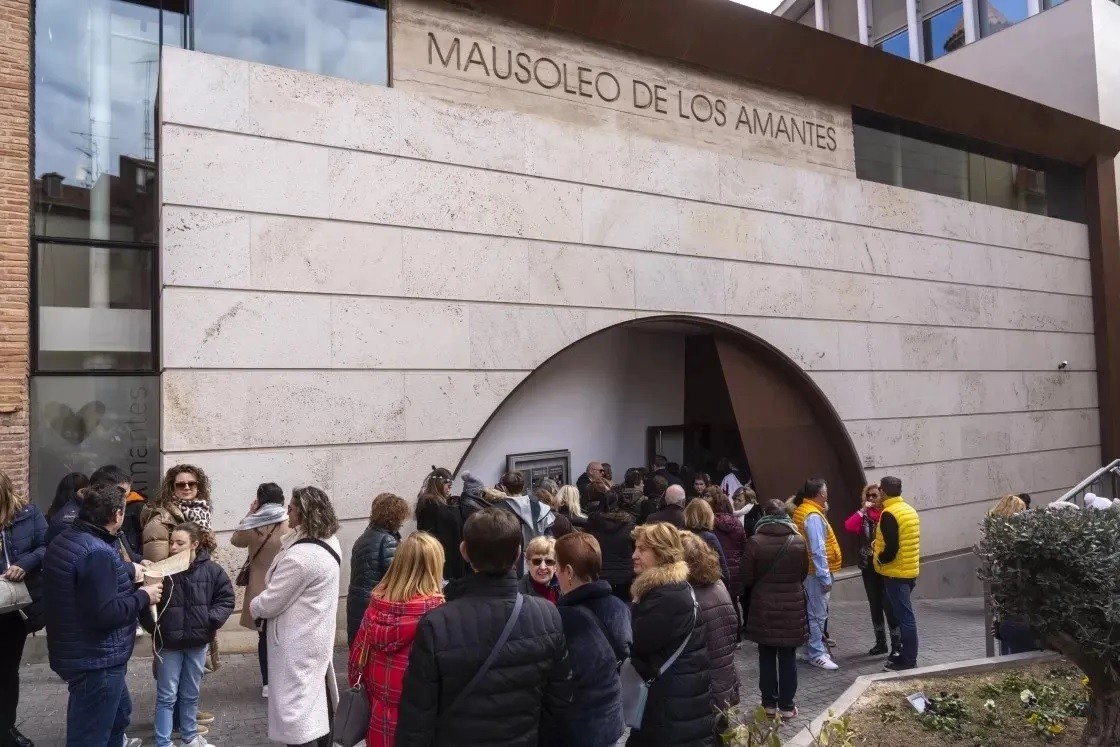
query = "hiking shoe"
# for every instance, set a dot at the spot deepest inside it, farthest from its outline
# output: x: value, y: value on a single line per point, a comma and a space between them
x: 204, y: 718
x: 788, y: 715
x: 824, y: 661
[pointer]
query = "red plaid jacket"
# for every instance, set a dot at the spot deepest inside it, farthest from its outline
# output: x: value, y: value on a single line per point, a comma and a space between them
x: 380, y: 656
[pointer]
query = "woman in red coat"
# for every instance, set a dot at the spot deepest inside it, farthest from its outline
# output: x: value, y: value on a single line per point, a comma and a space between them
x: 411, y: 587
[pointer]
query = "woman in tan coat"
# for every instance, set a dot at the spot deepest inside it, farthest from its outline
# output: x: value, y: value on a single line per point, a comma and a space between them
x: 183, y: 496
x: 261, y: 532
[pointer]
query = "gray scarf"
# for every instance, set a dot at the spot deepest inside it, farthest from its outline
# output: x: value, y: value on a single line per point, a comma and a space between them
x: 269, y: 513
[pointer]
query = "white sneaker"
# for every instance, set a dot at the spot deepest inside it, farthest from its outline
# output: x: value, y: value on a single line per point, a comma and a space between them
x: 824, y: 661
x: 264, y: 691
x: 131, y: 742
x: 199, y: 741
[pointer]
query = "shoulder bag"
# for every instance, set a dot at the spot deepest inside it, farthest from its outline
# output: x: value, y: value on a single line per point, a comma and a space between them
x: 486, y: 665
x: 774, y: 562
x: 351, y: 718
x: 243, y: 574
x: 14, y: 595
x: 635, y: 688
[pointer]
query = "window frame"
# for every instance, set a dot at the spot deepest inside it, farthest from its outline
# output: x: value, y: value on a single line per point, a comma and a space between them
x: 33, y: 318
x: 930, y: 15
x: 901, y: 31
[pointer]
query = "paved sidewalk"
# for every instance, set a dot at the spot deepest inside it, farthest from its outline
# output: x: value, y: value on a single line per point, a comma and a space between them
x: 950, y: 630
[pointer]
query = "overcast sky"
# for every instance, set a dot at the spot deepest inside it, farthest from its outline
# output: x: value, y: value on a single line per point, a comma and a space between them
x: 767, y: 5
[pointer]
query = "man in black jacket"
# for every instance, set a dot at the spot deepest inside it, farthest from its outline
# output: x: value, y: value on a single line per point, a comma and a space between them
x: 522, y: 697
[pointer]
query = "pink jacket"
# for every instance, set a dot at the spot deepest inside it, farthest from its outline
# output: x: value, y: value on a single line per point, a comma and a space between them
x: 854, y: 524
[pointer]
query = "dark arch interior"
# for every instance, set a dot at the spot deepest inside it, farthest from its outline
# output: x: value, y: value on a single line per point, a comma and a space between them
x: 745, y: 400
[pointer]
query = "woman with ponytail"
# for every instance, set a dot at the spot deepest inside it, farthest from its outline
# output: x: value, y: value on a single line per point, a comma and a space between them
x: 437, y: 514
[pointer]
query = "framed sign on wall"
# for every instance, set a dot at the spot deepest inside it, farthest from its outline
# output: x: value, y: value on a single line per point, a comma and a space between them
x: 538, y: 465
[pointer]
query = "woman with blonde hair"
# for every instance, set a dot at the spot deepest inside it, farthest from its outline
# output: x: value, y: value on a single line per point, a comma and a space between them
x: 1008, y: 506
x: 23, y: 539
x: 540, y: 580
x: 718, y: 617
x: 379, y: 655
x: 567, y: 504
x: 666, y: 623
x: 701, y: 520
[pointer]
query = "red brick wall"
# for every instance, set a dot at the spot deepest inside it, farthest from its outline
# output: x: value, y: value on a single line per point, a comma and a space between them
x: 15, y: 149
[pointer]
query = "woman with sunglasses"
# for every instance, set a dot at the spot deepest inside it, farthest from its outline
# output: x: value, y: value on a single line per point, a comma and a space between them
x: 541, y: 580
x: 183, y: 496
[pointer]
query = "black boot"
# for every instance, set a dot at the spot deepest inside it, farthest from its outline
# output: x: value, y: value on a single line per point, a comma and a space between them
x: 14, y: 739
x: 896, y: 647
x: 880, y: 646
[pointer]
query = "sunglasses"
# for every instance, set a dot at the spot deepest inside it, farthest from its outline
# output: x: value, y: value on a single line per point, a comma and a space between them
x: 550, y: 562
x: 190, y: 485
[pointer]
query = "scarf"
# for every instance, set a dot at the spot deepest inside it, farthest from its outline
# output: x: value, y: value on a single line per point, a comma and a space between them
x: 269, y: 513
x: 775, y: 519
x: 197, y: 511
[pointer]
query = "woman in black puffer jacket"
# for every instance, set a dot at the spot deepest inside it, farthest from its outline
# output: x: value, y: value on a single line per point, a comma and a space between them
x: 678, y: 711
x: 371, y: 556
x: 612, y: 526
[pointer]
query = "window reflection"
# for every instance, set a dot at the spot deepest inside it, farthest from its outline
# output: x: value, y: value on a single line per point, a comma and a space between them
x: 897, y: 44
x: 96, y: 67
x: 343, y: 38
x: 996, y: 15
x: 888, y: 152
x: 943, y: 31
x: 94, y: 307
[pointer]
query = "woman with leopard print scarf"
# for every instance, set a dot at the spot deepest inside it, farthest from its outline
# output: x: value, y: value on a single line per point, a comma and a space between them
x: 184, y: 495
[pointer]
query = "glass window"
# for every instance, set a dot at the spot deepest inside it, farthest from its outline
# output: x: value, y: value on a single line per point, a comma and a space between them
x: 79, y: 423
x: 887, y: 17
x: 897, y: 44
x: 96, y: 67
x: 996, y: 15
x: 892, y: 152
x: 943, y: 31
x: 343, y: 38
x: 94, y: 307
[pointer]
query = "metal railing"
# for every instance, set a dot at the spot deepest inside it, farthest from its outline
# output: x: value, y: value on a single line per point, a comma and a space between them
x: 1104, y: 482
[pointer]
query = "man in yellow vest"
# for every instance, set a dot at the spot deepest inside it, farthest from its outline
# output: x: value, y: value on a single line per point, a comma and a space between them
x: 824, y: 560
x: 896, y: 552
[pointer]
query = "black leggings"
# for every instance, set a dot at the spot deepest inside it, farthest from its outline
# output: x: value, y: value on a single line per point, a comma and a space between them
x: 262, y: 655
x: 877, y: 601
x: 13, y: 635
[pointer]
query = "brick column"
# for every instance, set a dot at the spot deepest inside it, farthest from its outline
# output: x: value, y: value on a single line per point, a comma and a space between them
x: 15, y: 214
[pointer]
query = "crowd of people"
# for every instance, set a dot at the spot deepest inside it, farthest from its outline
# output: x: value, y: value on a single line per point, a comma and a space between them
x: 548, y: 614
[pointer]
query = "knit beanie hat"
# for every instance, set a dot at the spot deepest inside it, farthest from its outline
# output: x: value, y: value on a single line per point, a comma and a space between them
x: 472, y: 486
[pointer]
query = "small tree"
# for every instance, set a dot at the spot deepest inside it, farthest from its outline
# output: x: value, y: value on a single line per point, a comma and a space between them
x: 1061, y: 570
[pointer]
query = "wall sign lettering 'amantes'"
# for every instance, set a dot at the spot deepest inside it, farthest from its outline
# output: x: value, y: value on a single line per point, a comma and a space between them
x: 645, y: 96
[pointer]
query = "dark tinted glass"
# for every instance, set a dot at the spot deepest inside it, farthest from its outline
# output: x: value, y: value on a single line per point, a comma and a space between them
x: 96, y: 67
x: 929, y: 164
x: 944, y: 31
x: 342, y: 38
x: 94, y: 308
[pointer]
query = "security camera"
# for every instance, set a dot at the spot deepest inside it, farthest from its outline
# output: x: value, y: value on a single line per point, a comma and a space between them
x: 1063, y: 365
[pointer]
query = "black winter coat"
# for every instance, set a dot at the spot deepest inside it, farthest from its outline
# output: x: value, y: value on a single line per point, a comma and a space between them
x: 613, y: 534
x: 733, y: 540
x: 369, y: 560
x: 678, y: 709
x: 721, y: 629
x: 25, y: 544
x: 445, y: 523
x: 671, y: 514
x: 522, y: 700
x: 595, y: 717
x: 776, y: 616
x: 194, y: 605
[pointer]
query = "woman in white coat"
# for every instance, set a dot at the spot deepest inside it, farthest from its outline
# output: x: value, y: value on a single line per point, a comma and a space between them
x: 299, y: 608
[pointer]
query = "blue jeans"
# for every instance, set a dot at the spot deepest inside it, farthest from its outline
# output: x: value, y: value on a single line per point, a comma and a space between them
x: 99, y: 708
x: 178, y: 679
x: 898, y: 593
x: 816, y: 603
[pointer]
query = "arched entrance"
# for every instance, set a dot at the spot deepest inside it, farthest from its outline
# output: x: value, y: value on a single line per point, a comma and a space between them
x: 695, y: 387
